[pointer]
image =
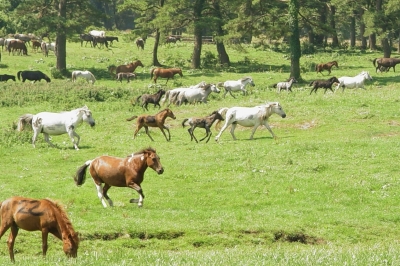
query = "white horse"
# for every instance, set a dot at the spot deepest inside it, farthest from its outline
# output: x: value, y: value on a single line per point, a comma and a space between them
x: 57, y: 124
x: 285, y: 85
x: 250, y: 117
x: 353, y: 82
x: 236, y: 85
x: 171, y: 95
x: 197, y: 94
x: 83, y: 74
x: 98, y: 33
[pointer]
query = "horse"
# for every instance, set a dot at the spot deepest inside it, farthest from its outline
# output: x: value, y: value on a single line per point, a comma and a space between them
x: 172, y: 39
x: 120, y: 172
x: 83, y: 74
x: 46, y: 47
x: 171, y: 95
x: 327, y: 66
x: 202, y: 122
x: 97, y: 33
x: 100, y: 40
x: 196, y: 95
x: 386, y: 62
x: 42, y: 215
x: 111, y: 39
x: 164, y: 73
x: 43, y: 46
x: 250, y: 117
x: 15, y: 45
x: 285, y: 85
x: 86, y: 38
x: 56, y: 124
x: 23, y: 37
x: 128, y: 68
x: 236, y: 85
x: 6, y: 77
x: 353, y: 82
x: 126, y: 75
x: 151, y: 98
x: 140, y: 43
x: 34, y: 75
x: 326, y: 84
x: 36, y: 45
x: 157, y: 120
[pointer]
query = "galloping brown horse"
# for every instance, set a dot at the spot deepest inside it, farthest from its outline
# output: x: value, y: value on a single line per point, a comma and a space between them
x: 129, y: 67
x: 37, y: 215
x: 165, y: 73
x: 157, y: 120
x: 320, y: 67
x: 120, y: 172
x: 386, y: 62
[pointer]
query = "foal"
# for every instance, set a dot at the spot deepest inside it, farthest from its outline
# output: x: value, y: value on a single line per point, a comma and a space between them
x: 202, y: 122
x: 285, y: 85
x: 326, y: 66
x: 151, y: 98
x: 326, y: 84
x: 126, y: 75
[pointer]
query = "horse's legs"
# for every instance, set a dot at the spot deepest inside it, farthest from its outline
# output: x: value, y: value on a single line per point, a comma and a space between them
x: 100, y: 194
x: 169, y: 134
x: 208, y: 134
x: 105, y: 195
x: 72, y: 134
x: 139, y: 191
x: 148, y: 134
x: 138, y: 127
x: 45, y: 234
x: 226, y: 91
x: 269, y: 129
x: 227, y: 123
x: 233, y: 131
x: 11, y: 241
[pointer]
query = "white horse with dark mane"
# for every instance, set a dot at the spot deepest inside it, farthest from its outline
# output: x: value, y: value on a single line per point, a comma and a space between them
x: 250, y: 117
x: 236, y: 85
x: 196, y: 95
x: 83, y: 74
x: 353, y: 82
x: 285, y: 85
x: 57, y: 124
x: 171, y: 95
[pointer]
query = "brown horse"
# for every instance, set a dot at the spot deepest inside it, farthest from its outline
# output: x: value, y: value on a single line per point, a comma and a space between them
x: 386, y: 62
x: 129, y: 67
x: 151, y: 98
x: 37, y: 215
x: 140, y: 43
x: 202, y: 122
x: 320, y: 67
x: 17, y: 45
x: 157, y: 120
x: 165, y: 73
x: 120, y: 172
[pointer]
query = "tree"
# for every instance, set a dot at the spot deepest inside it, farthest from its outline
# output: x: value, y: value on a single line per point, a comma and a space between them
x: 198, y: 32
x: 295, y: 50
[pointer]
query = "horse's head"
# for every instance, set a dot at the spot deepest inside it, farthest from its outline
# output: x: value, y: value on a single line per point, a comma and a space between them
x: 170, y: 113
x: 138, y: 63
x: 178, y: 71
x: 70, y: 245
x: 87, y: 116
x: 214, y: 88
x: 153, y: 160
x: 367, y: 76
x: 276, y: 108
x: 248, y: 80
x: 334, y: 79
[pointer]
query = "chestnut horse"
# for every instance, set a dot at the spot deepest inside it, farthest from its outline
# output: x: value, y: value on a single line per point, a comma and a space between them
x: 120, y: 172
x: 37, y: 215
x: 165, y: 73
x: 157, y: 120
x: 320, y: 67
x: 386, y: 62
x: 128, y: 68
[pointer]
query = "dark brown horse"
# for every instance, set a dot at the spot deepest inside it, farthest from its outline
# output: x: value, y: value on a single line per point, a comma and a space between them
x: 325, y: 84
x: 129, y: 67
x: 157, y: 120
x: 151, y: 98
x: 164, y: 73
x: 327, y: 66
x: 37, y: 215
x: 17, y: 45
x: 202, y: 122
x: 6, y: 77
x: 386, y: 62
x: 120, y: 172
x: 140, y: 43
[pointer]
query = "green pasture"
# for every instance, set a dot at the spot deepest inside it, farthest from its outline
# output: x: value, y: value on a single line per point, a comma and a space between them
x: 325, y: 192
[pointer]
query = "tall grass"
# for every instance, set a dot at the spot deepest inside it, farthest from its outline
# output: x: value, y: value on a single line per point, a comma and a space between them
x: 325, y: 192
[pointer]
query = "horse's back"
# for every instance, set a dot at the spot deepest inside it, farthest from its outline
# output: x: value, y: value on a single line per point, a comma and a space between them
x: 110, y: 170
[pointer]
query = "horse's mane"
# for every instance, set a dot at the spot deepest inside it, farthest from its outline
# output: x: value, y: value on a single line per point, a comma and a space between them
x: 243, y: 79
x: 149, y: 149
x: 62, y: 213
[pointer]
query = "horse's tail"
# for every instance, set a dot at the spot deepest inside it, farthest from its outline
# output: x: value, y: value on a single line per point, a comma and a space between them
x: 135, y: 102
x: 73, y: 76
x: 131, y: 118
x: 374, y: 61
x: 80, y: 175
x: 274, y: 85
x: 151, y: 73
x: 19, y: 75
x: 184, y: 121
x: 93, y: 78
x: 24, y: 120
x: 311, y: 83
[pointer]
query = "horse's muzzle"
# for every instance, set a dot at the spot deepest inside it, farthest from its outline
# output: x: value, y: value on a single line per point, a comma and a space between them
x: 283, y: 115
x: 160, y: 171
x: 92, y: 124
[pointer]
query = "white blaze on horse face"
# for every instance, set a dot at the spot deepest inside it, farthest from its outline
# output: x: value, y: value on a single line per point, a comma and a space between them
x: 142, y: 158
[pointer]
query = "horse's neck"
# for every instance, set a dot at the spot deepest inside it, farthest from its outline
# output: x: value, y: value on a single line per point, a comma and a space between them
x: 64, y: 226
x: 136, y: 161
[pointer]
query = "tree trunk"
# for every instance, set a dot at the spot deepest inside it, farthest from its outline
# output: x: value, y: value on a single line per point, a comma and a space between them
x: 61, y: 39
x: 352, y: 31
x: 222, y: 54
x: 155, y: 49
x: 295, y: 49
x: 387, y: 51
x: 363, y: 39
x: 398, y: 48
x: 372, y: 41
x: 335, y: 40
x: 198, y: 33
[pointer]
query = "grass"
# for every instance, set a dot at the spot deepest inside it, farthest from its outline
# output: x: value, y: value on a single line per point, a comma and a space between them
x: 324, y: 193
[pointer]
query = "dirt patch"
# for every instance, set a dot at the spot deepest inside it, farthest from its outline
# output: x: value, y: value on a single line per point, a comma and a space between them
x: 299, y: 237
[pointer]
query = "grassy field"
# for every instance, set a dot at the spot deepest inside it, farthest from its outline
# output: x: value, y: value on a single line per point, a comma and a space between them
x: 325, y: 192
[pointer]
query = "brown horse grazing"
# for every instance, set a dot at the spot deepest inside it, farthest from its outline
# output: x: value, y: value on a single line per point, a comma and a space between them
x: 386, y: 62
x: 203, y: 122
x: 164, y: 73
x: 151, y: 98
x: 129, y: 68
x: 320, y: 67
x: 157, y: 120
x: 140, y: 43
x: 17, y: 45
x: 120, y: 172
x: 37, y: 215
x: 36, y: 45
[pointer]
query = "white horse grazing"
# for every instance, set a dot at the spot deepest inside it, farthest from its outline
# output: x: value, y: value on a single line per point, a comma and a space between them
x: 98, y: 33
x: 196, y: 95
x: 83, y: 74
x: 236, y: 85
x: 353, y: 82
x: 171, y: 95
x: 250, y: 117
x: 57, y: 124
